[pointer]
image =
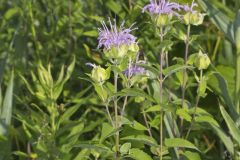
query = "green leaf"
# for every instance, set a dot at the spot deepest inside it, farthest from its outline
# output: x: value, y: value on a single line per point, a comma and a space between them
x: 138, y: 154
x: 112, y: 5
x: 202, y: 88
x: 192, y: 155
x: 224, y: 138
x: 11, y: 12
x: 142, y: 139
x: 102, y: 93
x: 155, y: 108
x: 7, y: 103
x: 107, y: 130
x: 97, y: 147
x: 138, y: 126
x: 179, y: 142
x: 235, y: 132
x: 237, y: 31
x: 219, y: 85
x: 175, y: 69
x: 92, y: 33
x: 206, y: 119
x: 68, y: 113
x: 134, y: 92
x: 125, y: 148
x: 184, y: 114
x: 21, y: 154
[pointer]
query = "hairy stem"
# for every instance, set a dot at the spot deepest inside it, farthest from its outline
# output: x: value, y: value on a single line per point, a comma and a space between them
x: 161, y: 92
x: 185, y: 73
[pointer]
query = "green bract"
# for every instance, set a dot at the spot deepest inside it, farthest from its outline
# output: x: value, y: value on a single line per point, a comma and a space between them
x: 202, y: 61
x: 122, y: 51
x: 193, y: 18
x: 163, y: 20
x: 133, y: 50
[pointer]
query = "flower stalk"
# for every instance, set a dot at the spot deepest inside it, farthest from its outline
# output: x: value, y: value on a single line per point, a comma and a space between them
x: 196, y: 106
x: 161, y: 91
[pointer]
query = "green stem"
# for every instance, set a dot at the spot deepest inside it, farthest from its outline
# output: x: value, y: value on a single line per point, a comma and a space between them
x: 216, y: 48
x: 116, y: 115
x: 185, y: 73
x: 109, y: 115
x: 147, y: 125
x: 53, y: 116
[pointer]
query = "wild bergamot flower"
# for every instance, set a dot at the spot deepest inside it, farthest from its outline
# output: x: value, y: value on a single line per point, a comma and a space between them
x: 115, y: 41
x: 162, y: 11
x: 157, y: 7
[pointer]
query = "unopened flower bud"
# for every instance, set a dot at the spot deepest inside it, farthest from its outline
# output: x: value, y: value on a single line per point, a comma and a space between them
x: 100, y: 74
x: 202, y: 61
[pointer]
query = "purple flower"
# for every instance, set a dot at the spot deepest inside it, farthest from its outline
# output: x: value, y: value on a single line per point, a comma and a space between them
x: 158, y: 7
x: 133, y: 69
x: 188, y: 8
x: 115, y: 37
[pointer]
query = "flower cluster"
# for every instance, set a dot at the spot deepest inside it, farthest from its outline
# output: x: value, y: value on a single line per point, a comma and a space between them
x: 117, y: 42
x: 114, y: 37
x: 163, y: 11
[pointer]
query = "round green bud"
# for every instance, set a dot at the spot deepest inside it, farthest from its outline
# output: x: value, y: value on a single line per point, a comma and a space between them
x: 100, y: 74
x: 193, y: 18
x: 202, y: 61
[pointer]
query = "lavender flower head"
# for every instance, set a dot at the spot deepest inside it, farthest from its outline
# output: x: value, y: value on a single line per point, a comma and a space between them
x: 158, y: 7
x: 133, y: 69
x: 115, y: 37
